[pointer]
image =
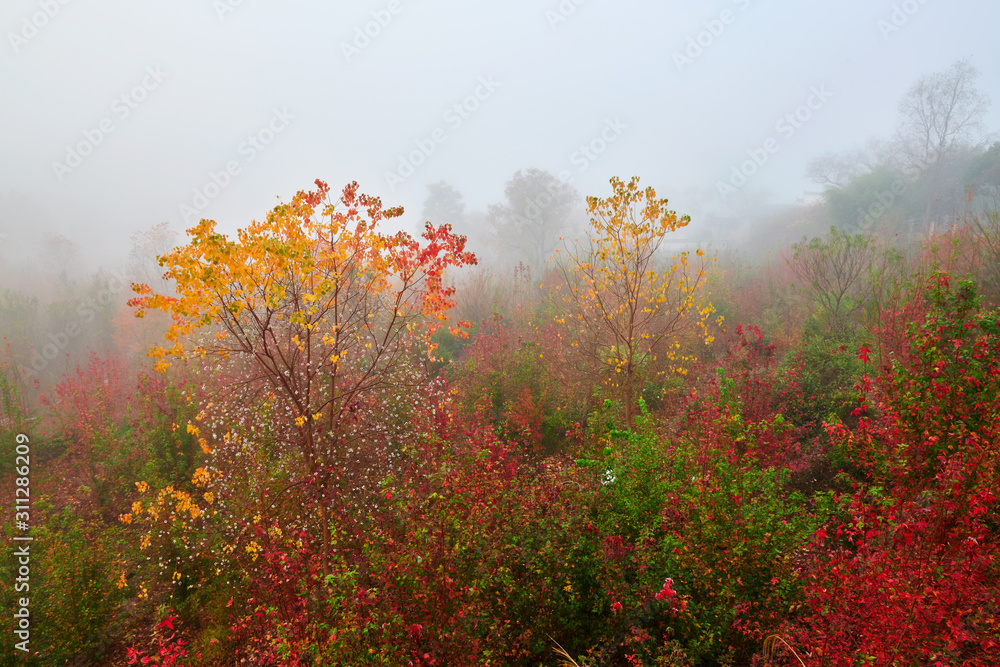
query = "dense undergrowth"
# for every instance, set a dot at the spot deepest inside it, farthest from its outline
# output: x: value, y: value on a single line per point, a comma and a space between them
x: 815, y: 485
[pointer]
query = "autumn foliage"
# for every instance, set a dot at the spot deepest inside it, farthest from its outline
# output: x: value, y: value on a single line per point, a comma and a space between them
x: 317, y: 313
x: 624, y: 311
x: 318, y: 465
x: 917, y: 548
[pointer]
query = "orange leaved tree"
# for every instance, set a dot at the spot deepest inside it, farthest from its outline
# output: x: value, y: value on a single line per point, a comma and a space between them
x: 626, y: 306
x: 316, y: 315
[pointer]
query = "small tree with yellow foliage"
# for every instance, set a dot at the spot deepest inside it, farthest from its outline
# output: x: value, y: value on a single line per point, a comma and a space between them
x: 625, y: 310
x: 317, y: 320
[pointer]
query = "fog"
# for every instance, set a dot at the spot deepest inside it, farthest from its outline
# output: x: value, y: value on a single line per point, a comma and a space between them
x: 324, y: 442
x: 117, y: 115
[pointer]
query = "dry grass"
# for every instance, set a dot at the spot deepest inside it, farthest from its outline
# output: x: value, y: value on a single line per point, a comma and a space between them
x: 771, y: 649
x: 567, y: 659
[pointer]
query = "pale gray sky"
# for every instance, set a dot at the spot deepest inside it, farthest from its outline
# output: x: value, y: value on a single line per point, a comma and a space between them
x: 182, y: 85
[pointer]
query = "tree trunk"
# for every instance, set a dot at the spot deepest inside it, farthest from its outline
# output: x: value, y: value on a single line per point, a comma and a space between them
x: 629, y: 399
x: 324, y: 512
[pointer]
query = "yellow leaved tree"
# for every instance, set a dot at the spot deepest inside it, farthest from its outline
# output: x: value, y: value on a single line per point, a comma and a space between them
x: 315, y: 322
x: 625, y: 306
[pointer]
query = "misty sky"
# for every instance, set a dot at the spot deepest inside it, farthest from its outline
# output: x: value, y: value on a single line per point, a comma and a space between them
x: 284, y: 93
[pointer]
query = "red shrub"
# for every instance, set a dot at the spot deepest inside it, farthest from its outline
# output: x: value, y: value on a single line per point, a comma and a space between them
x: 909, y: 572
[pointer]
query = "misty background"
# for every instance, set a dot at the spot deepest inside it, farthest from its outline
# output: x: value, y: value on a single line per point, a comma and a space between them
x: 870, y: 127
x: 353, y: 107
